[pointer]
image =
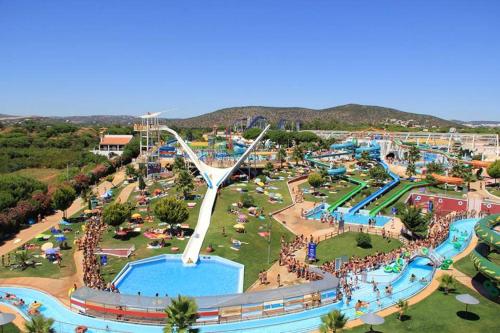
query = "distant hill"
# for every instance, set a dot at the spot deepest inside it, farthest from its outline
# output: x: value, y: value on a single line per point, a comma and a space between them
x: 350, y: 114
x: 347, y: 114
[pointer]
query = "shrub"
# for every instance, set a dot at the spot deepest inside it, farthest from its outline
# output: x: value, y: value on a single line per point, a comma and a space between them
x: 364, y: 240
x: 247, y: 200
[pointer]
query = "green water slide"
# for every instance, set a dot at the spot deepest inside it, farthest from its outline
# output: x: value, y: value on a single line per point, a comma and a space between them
x: 360, y: 184
x: 489, y: 241
x: 339, y: 202
x: 396, y: 195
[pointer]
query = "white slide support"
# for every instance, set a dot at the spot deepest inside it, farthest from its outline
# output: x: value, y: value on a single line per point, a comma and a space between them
x: 214, y: 177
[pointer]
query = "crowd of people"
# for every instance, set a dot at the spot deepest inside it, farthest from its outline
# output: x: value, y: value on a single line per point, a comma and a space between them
x: 350, y: 271
x: 438, y: 232
x: 89, y: 242
x: 287, y: 258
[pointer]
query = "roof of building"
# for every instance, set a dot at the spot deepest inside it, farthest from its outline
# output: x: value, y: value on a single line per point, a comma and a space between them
x: 116, y: 139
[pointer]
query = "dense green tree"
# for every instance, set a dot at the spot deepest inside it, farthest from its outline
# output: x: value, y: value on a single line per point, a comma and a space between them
x: 412, y: 157
x: 378, y: 174
x: 171, y: 210
x: 434, y: 167
x: 131, y: 150
x: 179, y: 164
x: 181, y: 314
x: 116, y: 213
x: 414, y: 220
x: 63, y: 197
x: 315, y: 180
x: 252, y: 133
x: 14, y: 188
x: 184, y: 183
x: 297, y: 154
x: 494, y: 170
x: 281, y: 156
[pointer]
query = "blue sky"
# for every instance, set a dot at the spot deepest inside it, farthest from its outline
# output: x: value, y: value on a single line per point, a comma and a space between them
x: 192, y: 57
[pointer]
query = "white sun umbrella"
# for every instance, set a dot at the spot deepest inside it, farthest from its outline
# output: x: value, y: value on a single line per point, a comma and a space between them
x: 467, y: 300
x: 372, y: 319
x: 6, y: 318
x: 47, y: 246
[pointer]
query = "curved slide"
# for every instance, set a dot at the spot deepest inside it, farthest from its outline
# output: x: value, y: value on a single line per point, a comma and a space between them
x: 360, y: 185
x: 373, y: 196
x: 488, y: 238
x: 395, y: 196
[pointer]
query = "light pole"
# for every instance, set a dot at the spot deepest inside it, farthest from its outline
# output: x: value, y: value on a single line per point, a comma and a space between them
x: 269, y: 239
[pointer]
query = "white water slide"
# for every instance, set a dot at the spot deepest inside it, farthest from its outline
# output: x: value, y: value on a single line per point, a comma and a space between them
x: 214, y: 177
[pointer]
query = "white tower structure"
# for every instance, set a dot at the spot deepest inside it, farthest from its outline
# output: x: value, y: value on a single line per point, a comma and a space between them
x: 214, y: 177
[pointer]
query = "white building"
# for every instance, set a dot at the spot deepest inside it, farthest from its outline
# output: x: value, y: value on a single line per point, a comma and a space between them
x: 112, y: 144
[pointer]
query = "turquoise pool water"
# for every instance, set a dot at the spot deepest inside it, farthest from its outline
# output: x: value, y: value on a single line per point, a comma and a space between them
x: 166, y: 274
x: 298, y: 322
x: 317, y: 212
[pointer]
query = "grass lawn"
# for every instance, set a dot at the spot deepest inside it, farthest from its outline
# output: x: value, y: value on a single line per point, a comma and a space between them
x: 10, y: 328
x: 253, y: 255
x: 345, y: 245
x: 45, y: 175
x: 47, y: 269
x: 438, y: 313
x: 340, y: 187
x: 466, y: 266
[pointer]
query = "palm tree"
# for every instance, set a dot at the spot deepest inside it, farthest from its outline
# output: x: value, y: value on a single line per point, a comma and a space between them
x: 22, y: 257
x: 332, y: 321
x: 447, y: 281
x: 402, y: 305
x: 297, y: 154
x: 181, y: 314
x: 39, y: 324
x: 414, y: 220
x: 281, y: 156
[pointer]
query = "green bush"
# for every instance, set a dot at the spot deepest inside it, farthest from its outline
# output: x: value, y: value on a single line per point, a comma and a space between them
x: 364, y: 240
x: 247, y: 200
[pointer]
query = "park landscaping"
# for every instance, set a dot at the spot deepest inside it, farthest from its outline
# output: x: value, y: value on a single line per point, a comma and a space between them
x: 346, y: 245
x: 438, y: 313
x: 253, y: 243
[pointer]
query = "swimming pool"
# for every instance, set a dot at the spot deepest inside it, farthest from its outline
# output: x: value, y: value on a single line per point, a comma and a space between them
x: 296, y: 322
x: 166, y: 274
x: 318, y: 211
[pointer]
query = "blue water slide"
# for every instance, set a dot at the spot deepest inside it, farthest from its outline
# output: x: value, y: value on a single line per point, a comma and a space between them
x: 343, y: 146
x: 171, y: 142
x: 379, y: 192
x: 336, y: 171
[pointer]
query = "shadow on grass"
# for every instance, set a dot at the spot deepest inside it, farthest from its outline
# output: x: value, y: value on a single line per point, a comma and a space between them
x: 405, y: 318
x: 467, y: 315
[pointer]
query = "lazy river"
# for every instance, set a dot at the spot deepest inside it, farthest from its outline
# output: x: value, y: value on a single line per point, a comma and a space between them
x: 403, y: 288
